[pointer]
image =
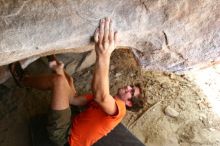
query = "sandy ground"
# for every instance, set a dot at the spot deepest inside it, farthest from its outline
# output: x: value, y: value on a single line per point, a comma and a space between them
x: 195, y: 125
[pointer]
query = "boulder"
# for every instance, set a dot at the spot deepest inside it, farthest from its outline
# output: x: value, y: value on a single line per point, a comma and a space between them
x: 165, y: 35
x: 87, y: 61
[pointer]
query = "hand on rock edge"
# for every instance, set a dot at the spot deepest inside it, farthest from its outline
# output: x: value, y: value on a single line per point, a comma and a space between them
x: 105, y: 38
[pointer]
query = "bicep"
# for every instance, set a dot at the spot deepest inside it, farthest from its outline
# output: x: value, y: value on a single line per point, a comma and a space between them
x: 108, y: 104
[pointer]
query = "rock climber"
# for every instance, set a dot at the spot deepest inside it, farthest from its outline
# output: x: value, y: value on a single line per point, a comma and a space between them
x: 103, y: 111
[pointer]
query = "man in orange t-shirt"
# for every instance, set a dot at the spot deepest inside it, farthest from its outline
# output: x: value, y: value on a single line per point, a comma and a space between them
x: 103, y: 111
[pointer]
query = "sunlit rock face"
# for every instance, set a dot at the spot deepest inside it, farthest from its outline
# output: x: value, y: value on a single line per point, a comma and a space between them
x: 171, y: 35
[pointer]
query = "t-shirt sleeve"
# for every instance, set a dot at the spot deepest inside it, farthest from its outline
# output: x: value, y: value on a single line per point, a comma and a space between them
x: 89, y: 97
x: 121, y: 109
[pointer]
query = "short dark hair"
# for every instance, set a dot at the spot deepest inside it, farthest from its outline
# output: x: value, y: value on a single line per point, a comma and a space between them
x: 137, y: 102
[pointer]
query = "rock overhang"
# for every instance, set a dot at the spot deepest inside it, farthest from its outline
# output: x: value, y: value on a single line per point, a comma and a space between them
x: 167, y: 35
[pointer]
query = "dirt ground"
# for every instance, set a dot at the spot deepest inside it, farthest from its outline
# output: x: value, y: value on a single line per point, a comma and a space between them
x: 195, y: 124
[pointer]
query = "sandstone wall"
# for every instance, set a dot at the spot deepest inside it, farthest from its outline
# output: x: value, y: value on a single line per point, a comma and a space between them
x: 168, y: 35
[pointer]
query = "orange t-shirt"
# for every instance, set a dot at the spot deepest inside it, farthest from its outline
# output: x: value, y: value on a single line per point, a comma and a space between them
x: 93, y: 123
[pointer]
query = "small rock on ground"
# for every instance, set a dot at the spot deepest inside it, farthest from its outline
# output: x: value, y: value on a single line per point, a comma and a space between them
x: 169, y: 111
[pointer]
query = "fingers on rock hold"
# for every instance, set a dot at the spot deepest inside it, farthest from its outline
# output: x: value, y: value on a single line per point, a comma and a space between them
x: 96, y: 36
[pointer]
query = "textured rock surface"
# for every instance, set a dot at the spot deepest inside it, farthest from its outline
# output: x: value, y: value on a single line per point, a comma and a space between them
x: 170, y: 35
x: 87, y: 61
